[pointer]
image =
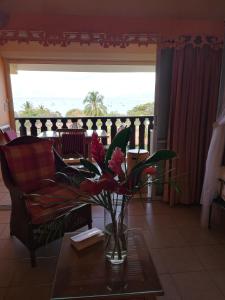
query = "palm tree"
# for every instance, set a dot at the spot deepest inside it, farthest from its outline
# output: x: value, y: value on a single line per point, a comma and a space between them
x: 94, y: 105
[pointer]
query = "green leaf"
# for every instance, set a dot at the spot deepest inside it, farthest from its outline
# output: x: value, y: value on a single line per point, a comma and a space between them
x: 161, y: 155
x: 135, y: 173
x: 154, y: 159
x: 120, y: 140
x: 90, y: 166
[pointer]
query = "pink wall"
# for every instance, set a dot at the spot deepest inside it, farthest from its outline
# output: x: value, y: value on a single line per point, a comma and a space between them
x: 115, y: 25
x: 4, y: 111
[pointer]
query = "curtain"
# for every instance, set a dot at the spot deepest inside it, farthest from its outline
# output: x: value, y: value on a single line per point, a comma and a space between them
x: 193, y: 104
x: 162, y: 94
x: 215, y: 153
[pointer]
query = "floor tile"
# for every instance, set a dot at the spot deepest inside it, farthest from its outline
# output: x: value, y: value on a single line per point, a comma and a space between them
x: 7, y: 269
x: 160, y: 221
x: 12, y: 248
x: 49, y: 250
x: 211, y: 257
x: 5, y: 233
x: 197, y: 286
x: 43, y: 273
x: 181, y: 259
x: 98, y: 222
x: 160, y: 265
x: 156, y: 207
x: 5, y: 216
x: 218, y: 276
x: 199, y: 236
x: 2, y: 293
x: 97, y: 211
x: 170, y: 290
x: 167, y: 237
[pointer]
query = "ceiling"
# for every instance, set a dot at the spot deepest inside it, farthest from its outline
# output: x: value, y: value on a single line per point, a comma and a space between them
x: 191, y: 9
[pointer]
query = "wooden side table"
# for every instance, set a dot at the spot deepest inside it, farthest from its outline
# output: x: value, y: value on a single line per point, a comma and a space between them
x: 88, y: 275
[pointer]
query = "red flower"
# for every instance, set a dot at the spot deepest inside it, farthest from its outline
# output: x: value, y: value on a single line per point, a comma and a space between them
x: 107, y: 184
x: 123, y: 189
x: 116, y: 160
x: 97, y: 150
x: 150, y: 170
x: 90, y: 187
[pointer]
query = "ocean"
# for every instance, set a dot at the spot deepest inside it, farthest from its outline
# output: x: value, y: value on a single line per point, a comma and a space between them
x: 64, y: 104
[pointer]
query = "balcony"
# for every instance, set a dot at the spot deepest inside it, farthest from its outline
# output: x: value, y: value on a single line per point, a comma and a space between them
x: 142, y: 127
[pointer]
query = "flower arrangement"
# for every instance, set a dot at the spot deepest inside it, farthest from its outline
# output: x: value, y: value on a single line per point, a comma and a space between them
x: 110, y: 170
x: 112, y: 186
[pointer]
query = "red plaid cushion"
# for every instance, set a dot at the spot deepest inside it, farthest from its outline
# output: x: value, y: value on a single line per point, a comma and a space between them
x: 29, y: 164
x: 10, y: 135
x: 51, y: 201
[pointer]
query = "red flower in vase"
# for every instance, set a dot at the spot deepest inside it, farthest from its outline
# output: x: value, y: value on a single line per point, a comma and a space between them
x: 150, y: 170
x: 90, y: 187
x: 108, y: 183
x: 116, y: 161
x: 97, y: 150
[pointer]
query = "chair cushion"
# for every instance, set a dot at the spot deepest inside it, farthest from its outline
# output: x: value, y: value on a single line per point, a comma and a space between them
x: 10, y: 135
x: 30, y: 163
x: 51, y: 201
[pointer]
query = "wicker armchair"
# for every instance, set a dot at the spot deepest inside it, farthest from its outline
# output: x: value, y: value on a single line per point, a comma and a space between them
x: 35, y: 225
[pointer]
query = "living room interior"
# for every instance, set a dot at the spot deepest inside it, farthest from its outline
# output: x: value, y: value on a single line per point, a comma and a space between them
x: 183, y: 230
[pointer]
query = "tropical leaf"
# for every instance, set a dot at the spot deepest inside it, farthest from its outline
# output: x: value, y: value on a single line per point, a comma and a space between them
x: 120, y: 140
x: 73, y: 179
x: 157, y: 157
x: 161, y: 155
x: 90, y: 166
x: 152, y: 160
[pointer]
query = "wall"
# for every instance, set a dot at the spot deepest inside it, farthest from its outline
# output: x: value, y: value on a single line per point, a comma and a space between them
x: 114, y: 25
x: 4, y: 109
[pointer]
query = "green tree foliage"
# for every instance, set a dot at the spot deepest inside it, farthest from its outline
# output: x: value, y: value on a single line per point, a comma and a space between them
x: 29, y: 110
x: 74, y: 112
x: 114, y: 113
x: 146, y: 109
x: 94, y: 105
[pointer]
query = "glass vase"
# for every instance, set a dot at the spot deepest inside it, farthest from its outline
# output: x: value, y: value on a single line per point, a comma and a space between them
x: 115, y: 222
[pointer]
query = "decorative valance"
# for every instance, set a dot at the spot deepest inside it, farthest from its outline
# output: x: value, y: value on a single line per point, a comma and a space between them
x: 196, y: 41
x: 64, y: 39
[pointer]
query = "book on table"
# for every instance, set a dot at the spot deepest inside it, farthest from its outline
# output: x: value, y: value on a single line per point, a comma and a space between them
x: 87, y: 238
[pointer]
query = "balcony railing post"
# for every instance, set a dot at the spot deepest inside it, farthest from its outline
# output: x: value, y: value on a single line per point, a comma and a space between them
x: 113, y: 127
x: 84, y: 121
x: 23, y: 129
x: 142, y: 133
x: 33, y: 129
x: 94, y: 121
x: 104, y: 127
x: 43, y: 124
x: 132, y: 139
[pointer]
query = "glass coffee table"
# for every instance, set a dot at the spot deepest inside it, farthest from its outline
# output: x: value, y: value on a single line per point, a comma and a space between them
x: 87, y: 274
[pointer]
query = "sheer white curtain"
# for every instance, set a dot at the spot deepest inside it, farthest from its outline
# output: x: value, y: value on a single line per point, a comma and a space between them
x: 215, y: 153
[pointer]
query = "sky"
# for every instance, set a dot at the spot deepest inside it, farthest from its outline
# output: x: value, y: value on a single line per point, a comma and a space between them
x: 61, y: 91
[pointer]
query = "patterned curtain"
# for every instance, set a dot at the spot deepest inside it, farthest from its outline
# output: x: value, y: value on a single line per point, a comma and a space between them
x: 192, y: 102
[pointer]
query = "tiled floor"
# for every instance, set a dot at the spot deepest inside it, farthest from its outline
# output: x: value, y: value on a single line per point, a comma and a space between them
x: 4, y: 196
x: 190, y: 261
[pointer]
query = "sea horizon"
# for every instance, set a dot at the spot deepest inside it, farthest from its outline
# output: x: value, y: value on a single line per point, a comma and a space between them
x: 64, y: 104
